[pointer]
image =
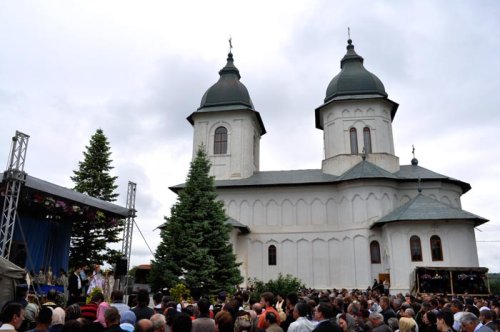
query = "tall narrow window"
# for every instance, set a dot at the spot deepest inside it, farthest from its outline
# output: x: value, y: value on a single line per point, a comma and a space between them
x: 375, y: 252
x: 271, y: 255
x: 415, y: 249
x: 436, y: 248
x: 220, y: 141
x: 354, y: 141
x: 367, y: 140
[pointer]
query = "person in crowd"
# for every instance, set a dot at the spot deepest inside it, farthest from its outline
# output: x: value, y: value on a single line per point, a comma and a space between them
x: 142, y: 310
x: 159, y: 323
x: 75, y: 286
x: 99, y: 324
x: 272, y: 323
x: 457, y: 307
x: 291, y: 301
x: 144, y: 325
x: 387, y: 311
x: 487, y: 318
x: 58, y: 319
x: 182, y: 323
x: 12, y: 317
x: 43, y: 320
x: 243, y: 322
x: 117, y: 302
x: 266, y: 301
x: 323, y: 314
x: 470, y: 323
x: 203, y: 323
x: 393, y: 323
x: 377, y: 321
x: 407, y: 324
x: 346, y: 323
x: 301, y: 323
x: 429, y: 322
x: 72, y: 326
x: 89, y: 311
x: 157, y: 302
x: 31, y: 311
x: 127, y: 321
x: 112, y: 319
x: 73, y: 312
x: 444, y: 321
x: 51, y: 299
x: 223, y: 322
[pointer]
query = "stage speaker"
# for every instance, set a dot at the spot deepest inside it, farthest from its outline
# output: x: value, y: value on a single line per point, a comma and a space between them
x: 121, y: 267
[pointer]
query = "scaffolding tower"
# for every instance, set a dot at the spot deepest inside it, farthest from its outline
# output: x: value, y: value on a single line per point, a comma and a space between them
x: 14, y: 177
x: 129, y: 223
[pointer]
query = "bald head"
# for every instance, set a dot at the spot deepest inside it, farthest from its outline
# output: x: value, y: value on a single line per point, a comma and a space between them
x: 144, y: 325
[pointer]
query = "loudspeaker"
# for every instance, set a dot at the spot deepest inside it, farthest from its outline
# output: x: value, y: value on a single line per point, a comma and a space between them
x: 121, y: 267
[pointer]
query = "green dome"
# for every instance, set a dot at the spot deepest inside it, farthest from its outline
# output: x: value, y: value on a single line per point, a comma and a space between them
x: 228, y: 91
x: 353, y: 78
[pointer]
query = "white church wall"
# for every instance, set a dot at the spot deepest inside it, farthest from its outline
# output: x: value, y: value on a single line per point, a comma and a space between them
x: 243, y: 142
x: 458, y: 247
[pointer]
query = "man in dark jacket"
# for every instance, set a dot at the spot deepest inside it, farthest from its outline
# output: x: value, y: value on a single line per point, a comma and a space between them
x: 323, y: 313
x: 75, y: 286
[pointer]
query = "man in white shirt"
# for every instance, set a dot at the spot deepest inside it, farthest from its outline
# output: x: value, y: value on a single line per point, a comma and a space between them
x: 13, y: 315
x: 301, y: 324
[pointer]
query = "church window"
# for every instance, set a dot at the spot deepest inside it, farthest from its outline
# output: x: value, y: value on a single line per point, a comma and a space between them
x: 375, y: 252
x: 271, y: 255
x: 220, y: 141
x: 436, y: 248
x: 416, y: 249
x: 354, y: 140
x: 367, y: 140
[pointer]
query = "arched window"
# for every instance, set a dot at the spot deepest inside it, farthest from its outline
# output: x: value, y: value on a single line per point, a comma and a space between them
x: 220, y: 141
x: 354, y: 140
x: 367, y: 140
x: 436, y: 248
x: 375, y: 252
x: 271, y: 255
x: 415, y: 249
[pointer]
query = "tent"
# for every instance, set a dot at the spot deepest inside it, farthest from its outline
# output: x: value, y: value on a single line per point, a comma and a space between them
x: 10, y: 273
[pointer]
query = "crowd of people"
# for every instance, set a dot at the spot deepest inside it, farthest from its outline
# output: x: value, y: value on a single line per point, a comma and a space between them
x: 373, y: 310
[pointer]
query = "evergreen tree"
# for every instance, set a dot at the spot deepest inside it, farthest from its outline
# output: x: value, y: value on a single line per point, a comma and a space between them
x: 195, y: 244
x: 90, y: 237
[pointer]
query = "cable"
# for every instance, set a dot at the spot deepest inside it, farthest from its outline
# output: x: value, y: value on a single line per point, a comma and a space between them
x: 151, y: 251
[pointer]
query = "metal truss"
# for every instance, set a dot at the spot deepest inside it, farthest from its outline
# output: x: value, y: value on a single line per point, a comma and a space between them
x: 129, y: 222
x: 14, y: 177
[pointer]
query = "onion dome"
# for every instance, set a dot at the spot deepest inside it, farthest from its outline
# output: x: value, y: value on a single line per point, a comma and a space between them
x: 228, y: 94
x: 228, y: 90
x: 353, y: 78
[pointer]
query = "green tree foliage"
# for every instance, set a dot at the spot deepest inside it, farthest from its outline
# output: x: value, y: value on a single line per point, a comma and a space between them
x: 283, y: 285
x: 195, y: 247
x: 90, y: 237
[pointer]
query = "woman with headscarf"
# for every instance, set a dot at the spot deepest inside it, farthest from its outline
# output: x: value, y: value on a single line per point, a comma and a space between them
x: 58, y: 319
x: 99, y: 325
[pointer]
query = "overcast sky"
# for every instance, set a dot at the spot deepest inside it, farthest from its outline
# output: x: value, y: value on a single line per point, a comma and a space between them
x: 137, y: 69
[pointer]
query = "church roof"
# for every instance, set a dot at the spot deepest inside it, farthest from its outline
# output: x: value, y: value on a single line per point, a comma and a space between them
x: 236, y: 224
x: 228, y: 94
x: 366, y: 170
x: 362, y: 170
x: 353, y: 78
x: 354, y: 82
x: 425, y: 208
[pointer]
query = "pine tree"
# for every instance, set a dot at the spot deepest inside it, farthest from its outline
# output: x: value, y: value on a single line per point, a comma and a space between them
x: 90, y: 237
x: 195, y: 244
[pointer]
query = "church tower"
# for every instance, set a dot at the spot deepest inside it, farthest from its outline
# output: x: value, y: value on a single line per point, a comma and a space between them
x: 228, y: 126
x: 356, y: 119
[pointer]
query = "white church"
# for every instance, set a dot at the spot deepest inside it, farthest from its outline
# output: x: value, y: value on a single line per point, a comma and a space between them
x: 361, y: 216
